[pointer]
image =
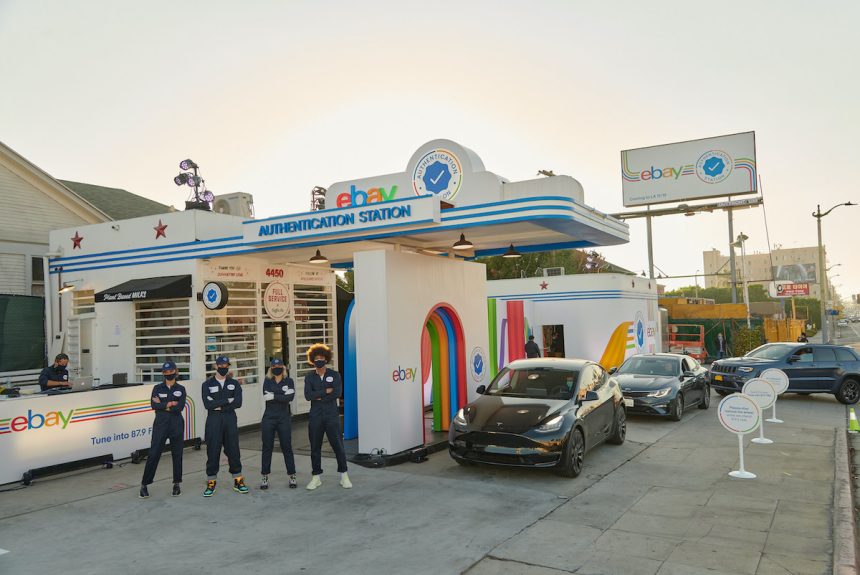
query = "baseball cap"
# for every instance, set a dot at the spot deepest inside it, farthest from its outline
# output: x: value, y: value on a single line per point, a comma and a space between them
x: 222, y: 359
x: 277, y: 361
x: 168, y: 365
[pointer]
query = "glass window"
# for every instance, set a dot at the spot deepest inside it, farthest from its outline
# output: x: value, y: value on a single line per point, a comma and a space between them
x: 83, y: 301
x: 771, y: 351
x: 843, y: 354
x: 804, y: 355
x: 650, y: 365
x: 233, y: 331
x: 315, y: 323
x: 823, y: 354
x: 161, y: 333
x: 540, y: 382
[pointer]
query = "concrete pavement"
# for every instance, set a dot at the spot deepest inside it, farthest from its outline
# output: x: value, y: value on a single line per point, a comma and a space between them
x: 659, y: 504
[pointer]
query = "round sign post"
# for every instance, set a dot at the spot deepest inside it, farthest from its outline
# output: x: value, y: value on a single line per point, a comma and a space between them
x: 763, y: 393
x: 779, y: 380
x: 739, y: 414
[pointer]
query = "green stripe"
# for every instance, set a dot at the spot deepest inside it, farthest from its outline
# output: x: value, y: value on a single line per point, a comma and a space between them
x: 113, y: 404
x: 491, y: 325
x: 436, y: 366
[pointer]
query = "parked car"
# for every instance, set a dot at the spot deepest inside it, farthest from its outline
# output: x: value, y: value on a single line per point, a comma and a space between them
x: 811, y: 368
x: 547, y: 412
x: 664, y: 384
x: 842, y: 323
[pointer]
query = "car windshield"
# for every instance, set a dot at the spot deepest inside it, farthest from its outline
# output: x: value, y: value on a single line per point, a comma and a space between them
x: 537, y: 382
x: 667, y: 366
x: 770, y: 351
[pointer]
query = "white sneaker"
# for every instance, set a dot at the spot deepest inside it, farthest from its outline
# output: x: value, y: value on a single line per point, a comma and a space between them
x: 315, y: 482
x: 345, y: 482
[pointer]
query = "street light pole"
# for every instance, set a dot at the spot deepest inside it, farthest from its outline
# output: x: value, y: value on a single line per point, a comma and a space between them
x: 823, y: 270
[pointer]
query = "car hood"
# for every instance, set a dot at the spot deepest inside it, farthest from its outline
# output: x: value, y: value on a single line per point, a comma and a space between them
x: 638, y: 382
x: 510, y: 414
x: 752, y: 361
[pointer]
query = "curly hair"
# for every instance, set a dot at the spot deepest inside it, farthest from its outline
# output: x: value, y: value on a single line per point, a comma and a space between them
x: 319, y: 349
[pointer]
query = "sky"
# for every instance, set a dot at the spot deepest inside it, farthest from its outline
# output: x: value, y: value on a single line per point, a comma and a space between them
x: 273, y: 98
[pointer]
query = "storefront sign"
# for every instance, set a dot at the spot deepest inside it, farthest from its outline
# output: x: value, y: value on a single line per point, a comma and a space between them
x: 215, y: 295
x: 167, y: 287
x: 395, y: 213
x: 276, y: 301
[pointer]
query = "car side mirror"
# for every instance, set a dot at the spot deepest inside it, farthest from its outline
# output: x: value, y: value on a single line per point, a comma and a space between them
x: 612, y: 370
x: 793, y: 359
x: 591, y: 396
x: 481, y: 389
x: 688, y: 374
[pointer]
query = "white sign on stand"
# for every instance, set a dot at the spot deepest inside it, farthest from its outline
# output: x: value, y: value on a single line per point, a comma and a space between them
x: 740, y: 414
x: 779, y: 380
x: 763, y: 393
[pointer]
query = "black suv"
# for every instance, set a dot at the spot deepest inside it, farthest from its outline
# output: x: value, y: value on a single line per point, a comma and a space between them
x: 811, y: 368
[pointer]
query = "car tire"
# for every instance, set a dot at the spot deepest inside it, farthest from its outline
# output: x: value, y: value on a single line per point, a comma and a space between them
x: 676, y: 409
x: 573, y: 455
x: 706, y: 400
x: 619, y: 431
x: 849, y: 391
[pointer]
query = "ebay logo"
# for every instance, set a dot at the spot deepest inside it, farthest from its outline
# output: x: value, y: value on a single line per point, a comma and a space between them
x: 401, y: 374
x: 361, y: 198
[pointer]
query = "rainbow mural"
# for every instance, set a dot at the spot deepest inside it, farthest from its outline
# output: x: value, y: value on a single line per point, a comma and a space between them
x: 443, y: 364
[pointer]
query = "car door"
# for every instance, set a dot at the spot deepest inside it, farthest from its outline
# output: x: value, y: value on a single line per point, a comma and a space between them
x: 798, y: 368
x: 825, y: 368
x: 606, y: 408
x: 592, y: 413
x: 691, y: 387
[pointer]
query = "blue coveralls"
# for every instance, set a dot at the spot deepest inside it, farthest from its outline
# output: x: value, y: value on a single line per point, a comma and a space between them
x: 324, y: 418
x: 276, y: 419
x: 52, y: 373
x: 221, y: 426
x: 169, y: 424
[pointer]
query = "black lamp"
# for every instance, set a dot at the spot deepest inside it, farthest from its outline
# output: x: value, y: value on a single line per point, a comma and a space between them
x: 318, y: 259
x: 512, y: 253
x: 463, y: 243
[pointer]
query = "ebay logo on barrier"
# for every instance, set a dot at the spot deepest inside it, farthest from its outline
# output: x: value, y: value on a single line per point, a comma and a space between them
x: 36, y: 421
x: 401, y: 374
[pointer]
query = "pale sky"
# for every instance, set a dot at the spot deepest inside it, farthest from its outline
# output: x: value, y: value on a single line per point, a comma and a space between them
x: 273, y: 98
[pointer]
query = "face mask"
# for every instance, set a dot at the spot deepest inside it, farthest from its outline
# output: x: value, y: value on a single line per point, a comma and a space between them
x: 319, y: 363
x: 170, y: 377
x: 277, y: 370
x: 222, y: 371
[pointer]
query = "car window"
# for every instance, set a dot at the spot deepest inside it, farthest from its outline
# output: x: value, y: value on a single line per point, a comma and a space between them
x: 685, y: 365
x: 823, y: 354
x: 843, y: 354
x: 586, y: 380
x: 537, y: 382
x: 600, y: 376
x: 650, y: 365
x: 804, y: 355
x: 770, y: 351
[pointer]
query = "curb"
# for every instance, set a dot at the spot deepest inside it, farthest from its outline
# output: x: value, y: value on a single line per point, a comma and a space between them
x: 844, y: 530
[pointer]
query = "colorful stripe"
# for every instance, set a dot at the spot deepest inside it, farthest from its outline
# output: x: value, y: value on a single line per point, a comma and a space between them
x: 350, y: 379
x: 491, y: 323
x: 516, y: 330
x: 616, y: 347
x: 111, y: 410
x: 4, y: 426
x: 447, y: 364
x: 748, y: 165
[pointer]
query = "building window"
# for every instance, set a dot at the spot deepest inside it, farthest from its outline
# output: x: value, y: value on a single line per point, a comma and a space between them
x: 37, y: 276
x: 162, y: 332
x: 83, y: 302
x: 314, y: 316
x: 233, y: 331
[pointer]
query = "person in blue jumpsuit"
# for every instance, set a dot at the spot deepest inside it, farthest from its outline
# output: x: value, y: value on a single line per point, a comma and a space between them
x: 55, y: 376
x: 222, y: 396
x: 278, y: 391
x: 168, y: 401
x: 322, y: 388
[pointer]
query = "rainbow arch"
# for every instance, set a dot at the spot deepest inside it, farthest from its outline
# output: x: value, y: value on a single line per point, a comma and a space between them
x: 443, y: 358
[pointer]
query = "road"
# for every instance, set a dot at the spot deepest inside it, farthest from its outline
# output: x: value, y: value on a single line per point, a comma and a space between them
x: 660, y: 503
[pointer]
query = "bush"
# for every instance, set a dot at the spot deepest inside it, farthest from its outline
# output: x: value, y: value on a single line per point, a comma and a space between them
x: 746, y: 339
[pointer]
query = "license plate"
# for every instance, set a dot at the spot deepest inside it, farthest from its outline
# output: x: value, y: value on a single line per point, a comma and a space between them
x: 718, y: 377
x: 628, y: 402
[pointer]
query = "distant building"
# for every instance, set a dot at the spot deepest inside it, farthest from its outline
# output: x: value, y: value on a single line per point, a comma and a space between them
x: 790, y: 264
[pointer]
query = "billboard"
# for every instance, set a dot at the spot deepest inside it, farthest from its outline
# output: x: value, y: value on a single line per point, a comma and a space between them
x: 788, y: 289
x: 799, y: 273
x: 708, y: 168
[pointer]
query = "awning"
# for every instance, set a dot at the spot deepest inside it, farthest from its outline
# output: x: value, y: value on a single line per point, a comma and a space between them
x: 167, y: 287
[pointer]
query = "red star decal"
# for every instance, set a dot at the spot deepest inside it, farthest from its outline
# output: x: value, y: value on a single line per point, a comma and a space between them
x: 76, y: 241
x: 159, y: 230
x: 543, y: 285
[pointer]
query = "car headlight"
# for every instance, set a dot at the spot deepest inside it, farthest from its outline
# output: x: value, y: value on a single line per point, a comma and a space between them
x: 460, y: 418
x: 553, y: 424
x: 745, y: 369
x: 660, y: 392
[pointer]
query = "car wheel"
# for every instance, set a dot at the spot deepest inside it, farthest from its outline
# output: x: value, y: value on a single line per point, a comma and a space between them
x: 676, y: 410
x: 619, y: 433
x: 849, y: 392
x: 706, y: 400
x: 573, y: 455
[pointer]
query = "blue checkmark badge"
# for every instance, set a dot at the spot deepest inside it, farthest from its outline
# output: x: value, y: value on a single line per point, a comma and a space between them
x: 714, y: 166
x: 437, y: 176
x: 211, y: 295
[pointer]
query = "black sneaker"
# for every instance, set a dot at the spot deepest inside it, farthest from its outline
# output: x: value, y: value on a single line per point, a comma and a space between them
x: 144, y: 492
x: 264, y: 483
x: 293, y: 483
x: 176, y: 491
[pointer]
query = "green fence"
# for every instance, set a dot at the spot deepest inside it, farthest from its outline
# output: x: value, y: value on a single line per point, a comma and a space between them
x: 22, y: 332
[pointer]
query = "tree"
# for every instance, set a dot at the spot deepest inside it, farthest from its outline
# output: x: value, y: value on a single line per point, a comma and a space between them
x: 532, y: 264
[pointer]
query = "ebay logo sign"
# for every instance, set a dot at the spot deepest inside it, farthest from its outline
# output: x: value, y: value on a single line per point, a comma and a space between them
x: 357, y: 197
